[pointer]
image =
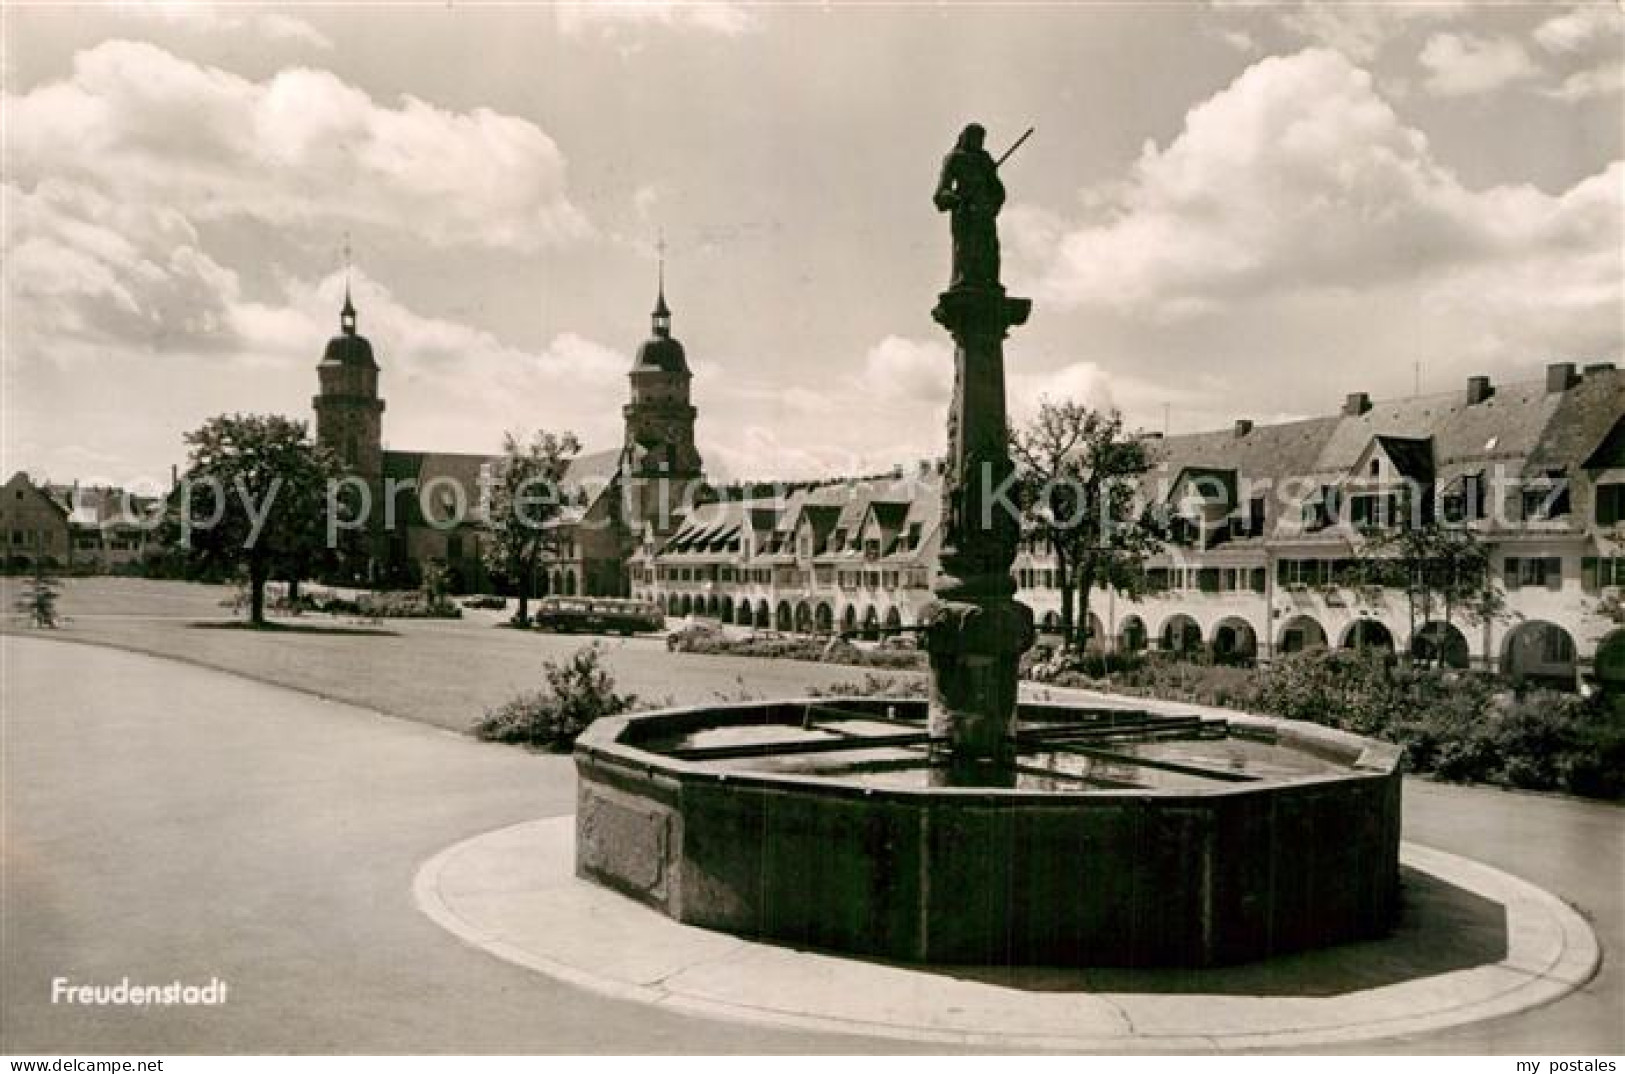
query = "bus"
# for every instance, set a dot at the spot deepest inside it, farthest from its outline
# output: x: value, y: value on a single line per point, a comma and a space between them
x: 598, y: 615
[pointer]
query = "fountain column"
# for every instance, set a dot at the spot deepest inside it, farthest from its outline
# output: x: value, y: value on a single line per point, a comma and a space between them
x: 975, y: 631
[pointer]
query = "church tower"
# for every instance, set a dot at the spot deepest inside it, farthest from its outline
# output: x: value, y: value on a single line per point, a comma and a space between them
x: 659, y: 456
x: 349, y: 414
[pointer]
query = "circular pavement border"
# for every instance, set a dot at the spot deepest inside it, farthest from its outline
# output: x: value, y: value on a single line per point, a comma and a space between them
x: 513, y: 893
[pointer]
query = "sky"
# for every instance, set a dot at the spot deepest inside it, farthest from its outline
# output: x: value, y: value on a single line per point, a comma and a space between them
x: 1229, y: 209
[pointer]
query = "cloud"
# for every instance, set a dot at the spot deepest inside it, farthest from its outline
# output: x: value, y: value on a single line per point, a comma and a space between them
x: 1596, y: 82
x: 301, y: 148
x: 283, y: 27
x: 101, y: 292
x: 85, y: 265
x: 1463, y: 64
x: 1239, y: 40
x: 1359, y: 30
x: 1578, y: 29
x: 1298, y: 179
x: 909, y: 370
x: 612, y: 16
x: 217, y: 18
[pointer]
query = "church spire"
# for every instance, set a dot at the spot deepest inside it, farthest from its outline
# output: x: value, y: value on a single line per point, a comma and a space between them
x: 662, y: 312
x: 347, y: 314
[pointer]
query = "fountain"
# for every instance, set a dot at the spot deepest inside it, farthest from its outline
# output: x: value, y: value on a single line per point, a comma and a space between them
x: 966, y: 828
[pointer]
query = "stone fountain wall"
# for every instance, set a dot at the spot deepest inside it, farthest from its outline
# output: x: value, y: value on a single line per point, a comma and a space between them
x: 1102, y: 878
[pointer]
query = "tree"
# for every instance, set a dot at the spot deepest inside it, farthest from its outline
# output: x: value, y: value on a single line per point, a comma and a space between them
x: 524, y: 503
x: 38, y: 601
x: 1077, y: 484
x: 255, y: 498
x: 1444, y: 570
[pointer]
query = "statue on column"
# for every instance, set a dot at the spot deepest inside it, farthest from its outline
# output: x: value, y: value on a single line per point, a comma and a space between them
x: 969, y: 188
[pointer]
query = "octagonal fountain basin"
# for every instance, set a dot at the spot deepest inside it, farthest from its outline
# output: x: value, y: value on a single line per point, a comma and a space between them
x: 1120, y: 838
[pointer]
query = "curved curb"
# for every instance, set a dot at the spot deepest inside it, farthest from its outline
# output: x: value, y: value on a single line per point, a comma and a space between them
x: 512, y: 893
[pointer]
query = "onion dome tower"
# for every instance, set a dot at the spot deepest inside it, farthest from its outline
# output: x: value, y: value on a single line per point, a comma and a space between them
x: 659, y: 417
x: 349, y: 414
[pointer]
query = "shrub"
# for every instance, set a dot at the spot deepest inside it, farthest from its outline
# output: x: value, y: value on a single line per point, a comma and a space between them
x: 408, y: 604
x: 701, y: 638
x: 37, y: 601
x: 578, y: 692
x: 1595, y: 766
x: 873, y: 685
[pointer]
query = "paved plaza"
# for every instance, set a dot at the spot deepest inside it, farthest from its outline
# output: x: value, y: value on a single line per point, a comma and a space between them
x: 165, y: 821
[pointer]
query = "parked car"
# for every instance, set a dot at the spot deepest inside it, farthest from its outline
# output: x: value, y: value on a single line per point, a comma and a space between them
x: 693, y: 630
x: 598, y: 615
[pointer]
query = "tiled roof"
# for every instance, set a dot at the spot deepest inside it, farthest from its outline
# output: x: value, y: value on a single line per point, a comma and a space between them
x: 445, y: 470
x: 1266, y: 451
x: 1411, y: 456
x: 98, y: 506
x: 1507, y: 426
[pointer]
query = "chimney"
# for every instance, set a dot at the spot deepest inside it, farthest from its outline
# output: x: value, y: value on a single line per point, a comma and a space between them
x: 1243, y: 427
x: 1560, y: 377
x: 1356, y: 404
x: 1478, y: 390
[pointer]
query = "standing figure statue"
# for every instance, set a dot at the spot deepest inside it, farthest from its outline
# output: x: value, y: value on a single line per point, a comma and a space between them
x: 970, y: 189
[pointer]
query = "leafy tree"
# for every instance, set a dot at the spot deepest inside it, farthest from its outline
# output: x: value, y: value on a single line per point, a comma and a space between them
x: 525, y: 500
x: 1077, y: 483
x: 1444, y: 571
x: 38, y: 601
x: 255, y: 499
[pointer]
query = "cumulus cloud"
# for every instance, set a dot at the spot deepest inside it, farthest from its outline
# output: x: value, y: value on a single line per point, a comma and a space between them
x: 1299, y: 179
x: 726, y: 19
x: 216, y: 18
x: 1463, y: 64
x: 284, y: 27
x: 1360, y: 30
x: 301, y: 148
x: 906, y: 369
x: 91, y: 267
x: 455, y: 384
x: 1578, y: 29
x: 1594, y: 82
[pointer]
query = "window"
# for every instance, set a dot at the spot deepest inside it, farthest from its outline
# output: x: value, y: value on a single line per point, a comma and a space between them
x: 1303, y: 573
x: 1602, y: 572
x: 1533, y: 571
x: 1546, y: 497
x: 1373, y: 512
x: 1463, y: 501
x: 1376, y: 467
x: 1610, y: 504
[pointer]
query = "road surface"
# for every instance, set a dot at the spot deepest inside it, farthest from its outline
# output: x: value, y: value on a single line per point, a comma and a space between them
x: 167, y: 822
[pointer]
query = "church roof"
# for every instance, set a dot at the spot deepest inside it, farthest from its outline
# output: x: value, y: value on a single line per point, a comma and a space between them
x: 348, y: 349
x: 661, y: 354
x: 592, y: 474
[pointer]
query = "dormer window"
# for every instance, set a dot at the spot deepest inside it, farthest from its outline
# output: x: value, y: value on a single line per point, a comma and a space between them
x: 1376, y: 467
x: 1546, y: 497
x: 1463, y: 501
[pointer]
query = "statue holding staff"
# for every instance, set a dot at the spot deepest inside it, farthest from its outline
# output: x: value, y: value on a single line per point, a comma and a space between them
x: 969, y: 189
